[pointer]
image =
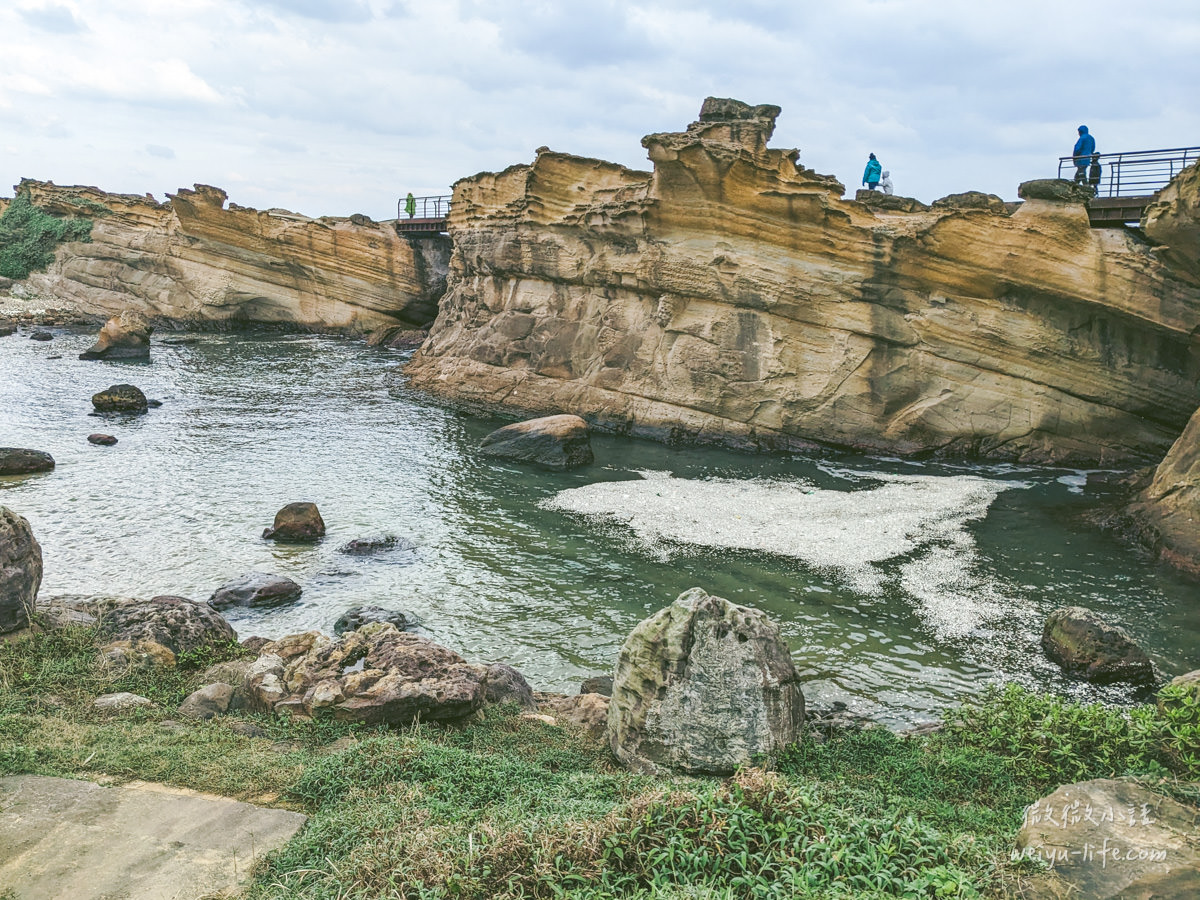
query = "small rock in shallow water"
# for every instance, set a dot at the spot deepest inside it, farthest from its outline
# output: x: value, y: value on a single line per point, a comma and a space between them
x: 364, y: 545
x: 256, y: 589
x: 126, y: 336
x: 41, y: 336
x: 120, y: 398
x: 358, y: 616
x: 19, y: 461
x: 104, y: 440
x: 1087, y: 646
x: 297, y: 523
x: 557, y: 442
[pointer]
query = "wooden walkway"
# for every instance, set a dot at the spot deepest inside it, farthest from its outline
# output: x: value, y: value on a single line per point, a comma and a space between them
x: 1129, y: 182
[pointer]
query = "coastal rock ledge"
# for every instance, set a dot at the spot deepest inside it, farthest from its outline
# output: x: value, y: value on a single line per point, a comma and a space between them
x: 734, y: 296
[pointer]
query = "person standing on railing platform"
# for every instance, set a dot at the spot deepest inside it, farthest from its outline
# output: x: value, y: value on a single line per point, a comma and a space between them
x: 1084, y: 148
x: 410, y: 205
x: 1094, y: 172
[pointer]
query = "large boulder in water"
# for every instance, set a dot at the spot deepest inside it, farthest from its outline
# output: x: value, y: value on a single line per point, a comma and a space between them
x: 19, y: 461
x: 126, y: 398
x: 126, y: 336
x: 256, y: 589
x: 704, y: 687
x: 558, y: 442
x: 1111, y: 838
x: 297, y: 523
x: 1087, y: 646
x: 376, y: 675
x: 20, y: 570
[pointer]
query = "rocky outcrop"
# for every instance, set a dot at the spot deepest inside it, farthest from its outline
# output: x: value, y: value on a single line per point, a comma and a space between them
x: 1164, y: 517
x: 297, y: 523
x: 704, y: 687
x: 734, y: 296
x: 176, y: 623
x: 20, y: 570
x: 1088, y: 647
x: 126, y: 398
x: 126, y: 336
x: 556, y: 442
x: 1111, y: 838
x: 256, y: 589
x: 1173, y: 221
x: 19, y: 461
x: 197, y: 259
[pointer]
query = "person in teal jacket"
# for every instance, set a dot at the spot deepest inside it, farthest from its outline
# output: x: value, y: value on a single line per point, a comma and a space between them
x: 871, y: 173
x: 1084, y: 148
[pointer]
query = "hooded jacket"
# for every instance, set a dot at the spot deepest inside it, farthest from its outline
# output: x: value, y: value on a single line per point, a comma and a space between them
x: 1084, y: 147
x: 871, y: 172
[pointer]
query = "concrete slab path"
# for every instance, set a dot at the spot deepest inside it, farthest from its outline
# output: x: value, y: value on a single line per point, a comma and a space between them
x: 61, y: 838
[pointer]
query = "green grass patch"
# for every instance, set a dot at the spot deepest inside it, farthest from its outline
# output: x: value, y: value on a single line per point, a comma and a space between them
x: 29, y: 236
x: 509, y: 808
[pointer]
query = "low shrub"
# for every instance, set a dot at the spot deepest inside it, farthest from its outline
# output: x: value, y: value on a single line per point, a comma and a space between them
x: 29, y: 236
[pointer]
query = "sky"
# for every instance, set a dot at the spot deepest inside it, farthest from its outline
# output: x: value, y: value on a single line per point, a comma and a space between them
x: 334, y: 107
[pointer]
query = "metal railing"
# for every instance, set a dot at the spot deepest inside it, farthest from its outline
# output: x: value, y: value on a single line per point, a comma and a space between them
x: 424, y: 207
x: 1136, y: 174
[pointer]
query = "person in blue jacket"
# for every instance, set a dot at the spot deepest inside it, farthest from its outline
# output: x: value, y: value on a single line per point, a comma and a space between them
x: 1084, y: 148
x: 871, y: 173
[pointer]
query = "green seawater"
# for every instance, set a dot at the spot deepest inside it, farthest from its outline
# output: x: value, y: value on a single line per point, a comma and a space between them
x: 250, y: 422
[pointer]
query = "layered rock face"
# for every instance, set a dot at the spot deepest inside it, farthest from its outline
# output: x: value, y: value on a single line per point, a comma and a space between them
x: 733, y: 296
x: 1166, y: 514
x: 196, y: 259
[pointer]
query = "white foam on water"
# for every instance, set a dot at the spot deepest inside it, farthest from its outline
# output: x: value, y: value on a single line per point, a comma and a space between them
x: 919, y: 521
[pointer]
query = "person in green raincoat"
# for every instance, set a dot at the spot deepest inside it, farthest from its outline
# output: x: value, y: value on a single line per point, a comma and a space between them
x: 410, y: 205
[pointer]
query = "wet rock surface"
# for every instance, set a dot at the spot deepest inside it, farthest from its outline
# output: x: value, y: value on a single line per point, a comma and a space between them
x: 256, y: 589
x: 704, y: 687
x: 101, y: 440
x: 126, y: 398
x: 19, y: 461
x: 20, y: 570
x: 358, y: 616
x: 297, y: 523
x: 557, y: 442
x: 1087, y: 646
x: 366, y: 546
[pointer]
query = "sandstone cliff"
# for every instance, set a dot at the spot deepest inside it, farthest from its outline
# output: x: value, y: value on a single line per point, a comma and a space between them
x: 196, y: 259
x: 733, y: 296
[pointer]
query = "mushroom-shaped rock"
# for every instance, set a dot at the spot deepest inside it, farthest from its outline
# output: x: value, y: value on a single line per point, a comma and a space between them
x: 358, y: 616
x: 297, y: 523
x: 704, y: 686
x: 101, y: 440
x: 1087, y: 646
x: 1111, y: 838
x: 377, y: 675
x: 126, y: 336
x: 558, y: 442
x: 256, y: 589
x: 125, y: 398
x: 177, y: 623
x: 20, y: 570
x: 19, y: 461
x: 1058, y: 190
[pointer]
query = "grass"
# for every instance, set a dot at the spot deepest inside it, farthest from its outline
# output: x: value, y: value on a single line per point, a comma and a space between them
x: 29, y: 236
x: 510, y: 808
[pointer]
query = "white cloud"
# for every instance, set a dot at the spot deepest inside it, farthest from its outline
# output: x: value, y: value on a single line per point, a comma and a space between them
x: 339, y: 106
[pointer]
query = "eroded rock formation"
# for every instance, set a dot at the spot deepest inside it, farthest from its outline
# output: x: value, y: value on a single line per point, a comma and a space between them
x: 733, y: 296
x: 195, y: 258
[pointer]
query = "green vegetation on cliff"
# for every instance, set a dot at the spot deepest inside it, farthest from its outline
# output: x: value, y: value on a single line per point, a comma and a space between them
x: 509, y: 807
x: 29, y: 236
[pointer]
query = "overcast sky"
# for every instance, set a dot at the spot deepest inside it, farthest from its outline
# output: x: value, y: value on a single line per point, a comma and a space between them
x: 330, y: 107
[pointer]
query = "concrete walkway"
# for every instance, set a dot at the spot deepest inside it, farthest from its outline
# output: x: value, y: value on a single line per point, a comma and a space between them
x: 61, y: 838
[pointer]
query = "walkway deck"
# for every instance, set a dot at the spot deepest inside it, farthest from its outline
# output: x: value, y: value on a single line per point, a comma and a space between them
x: 430, y: 215
x: 1129, y: 182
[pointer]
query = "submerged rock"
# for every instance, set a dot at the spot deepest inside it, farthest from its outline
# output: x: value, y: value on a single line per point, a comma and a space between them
x: 704, y: 687
x: 41, y: 336
x: 1111, y: 838
x: 1087, y: 646
x: 120, y: 398
x: 558, y: 442
x: 256, y: 589
x: 19, y: 461
x: 125, y: 336
x: 375, y: 544
x: 297, y: 523
x: 358, y: 616
x: 20, y: 570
